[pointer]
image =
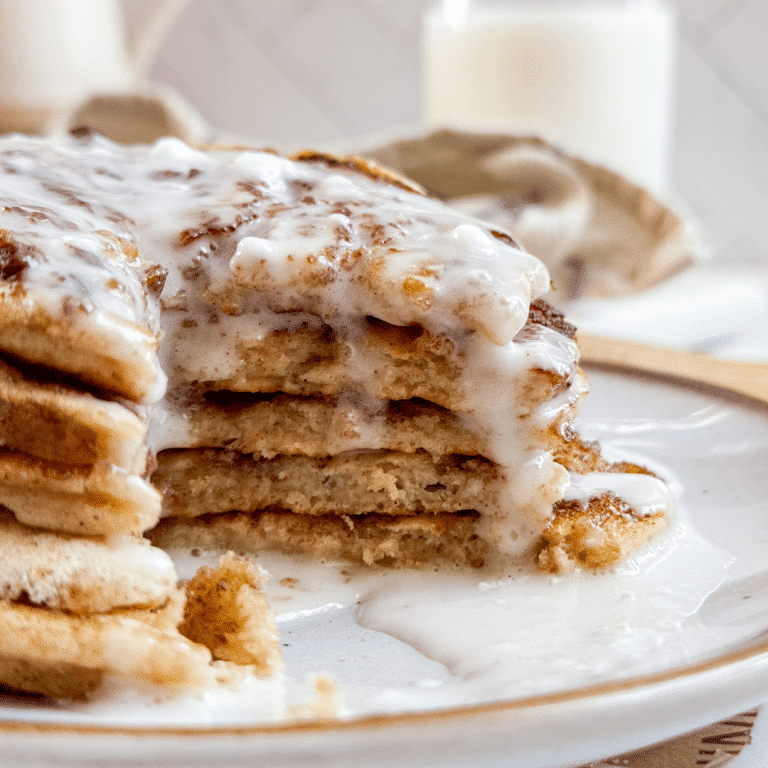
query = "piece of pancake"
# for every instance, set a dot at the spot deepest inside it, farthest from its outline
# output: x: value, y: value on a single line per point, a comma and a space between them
x: 595, y: 534
x: 70, y: 459
x: 226, y: 611
x: 61, y: 423
x: 416, y: 541
x: 75, y: 298
x: 60, y: 643
x: 94, y: 500
x: 78, y: 574
x: 65, y: 655
x: 73, y: 608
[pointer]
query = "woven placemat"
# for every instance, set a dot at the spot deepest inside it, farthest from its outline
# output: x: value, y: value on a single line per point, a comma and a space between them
x: 710, y: 747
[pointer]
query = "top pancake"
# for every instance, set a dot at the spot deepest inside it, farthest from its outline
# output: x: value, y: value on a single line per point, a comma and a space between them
x: 243, y: 271
x: 237, y: 234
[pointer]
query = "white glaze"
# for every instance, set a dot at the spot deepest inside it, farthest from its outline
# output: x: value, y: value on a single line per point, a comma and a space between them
x: 136, y: 555
x: 172, y: 201
x: 251, y: 699
x: 132, y: 649
x: 525, y: 634
x: 646, y: 495
x: 252, y: 242
x: 459, y: 638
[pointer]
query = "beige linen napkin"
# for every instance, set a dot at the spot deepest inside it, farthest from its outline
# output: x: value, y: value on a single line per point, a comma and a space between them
x: 599, y: 234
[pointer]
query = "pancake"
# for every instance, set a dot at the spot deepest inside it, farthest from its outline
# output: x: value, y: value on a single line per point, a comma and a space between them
x: 59, y: 642
x: 232, y: 349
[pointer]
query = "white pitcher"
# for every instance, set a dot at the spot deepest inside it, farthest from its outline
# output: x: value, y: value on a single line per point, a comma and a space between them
x: 56, y: 56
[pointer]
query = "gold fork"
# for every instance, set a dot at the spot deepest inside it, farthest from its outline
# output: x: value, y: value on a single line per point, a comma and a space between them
x: 743, y: 378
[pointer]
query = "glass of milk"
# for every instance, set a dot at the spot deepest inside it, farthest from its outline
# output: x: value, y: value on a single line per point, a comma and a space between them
x: 594, y: 77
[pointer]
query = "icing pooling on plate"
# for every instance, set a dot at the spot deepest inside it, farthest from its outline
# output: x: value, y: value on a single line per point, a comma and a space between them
x: 420, y: 640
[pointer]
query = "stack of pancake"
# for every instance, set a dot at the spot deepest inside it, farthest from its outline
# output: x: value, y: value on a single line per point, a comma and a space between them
x: 302, y: 354
x: 82, y: 593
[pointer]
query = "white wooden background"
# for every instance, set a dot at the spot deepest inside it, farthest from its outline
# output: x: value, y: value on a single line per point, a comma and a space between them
x: 303, y: 72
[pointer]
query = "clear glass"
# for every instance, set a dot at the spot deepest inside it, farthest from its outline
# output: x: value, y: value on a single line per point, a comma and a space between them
x: 596, y: 78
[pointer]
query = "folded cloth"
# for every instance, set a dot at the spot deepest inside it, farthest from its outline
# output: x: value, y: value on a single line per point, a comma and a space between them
x: 598, y: 233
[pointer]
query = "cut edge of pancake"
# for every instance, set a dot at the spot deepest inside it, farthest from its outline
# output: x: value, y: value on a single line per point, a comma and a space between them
x: 63, y: 655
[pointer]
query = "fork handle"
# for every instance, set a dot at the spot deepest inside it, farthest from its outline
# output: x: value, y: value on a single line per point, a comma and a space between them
x: 743, y: 378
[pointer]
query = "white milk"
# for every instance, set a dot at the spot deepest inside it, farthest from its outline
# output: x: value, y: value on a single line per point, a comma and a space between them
x: 595, y: 78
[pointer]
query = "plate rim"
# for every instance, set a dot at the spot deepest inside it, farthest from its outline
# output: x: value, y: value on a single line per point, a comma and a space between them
x: 688, y: 672
x: 673, y: 367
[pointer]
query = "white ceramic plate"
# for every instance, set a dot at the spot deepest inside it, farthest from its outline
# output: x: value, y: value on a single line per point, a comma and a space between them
x: 701, y: 657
